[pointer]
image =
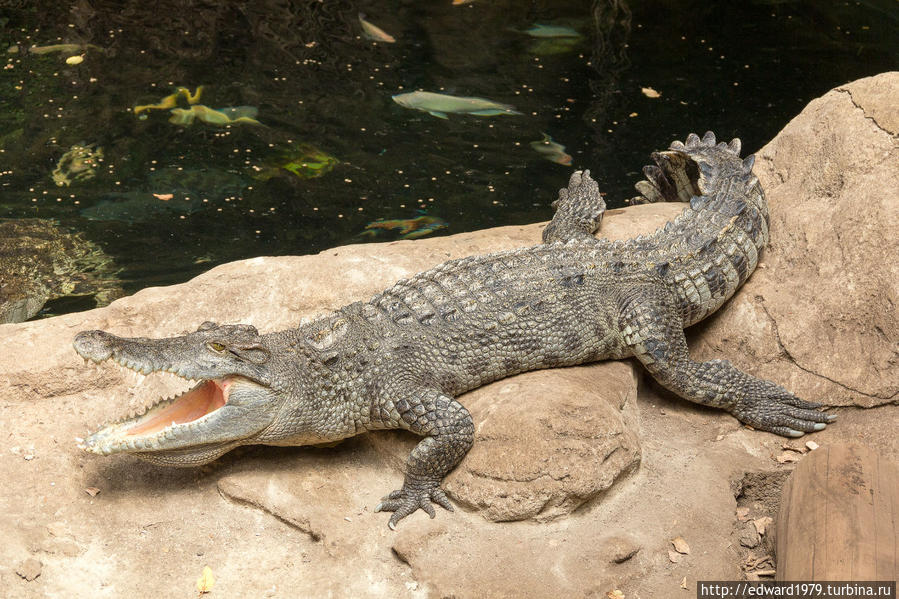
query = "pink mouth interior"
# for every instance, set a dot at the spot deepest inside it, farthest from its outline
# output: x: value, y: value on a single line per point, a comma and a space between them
x: 204, y: 399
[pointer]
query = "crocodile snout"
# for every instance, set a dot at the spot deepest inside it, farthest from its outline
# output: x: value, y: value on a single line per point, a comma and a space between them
x: 94, y: 345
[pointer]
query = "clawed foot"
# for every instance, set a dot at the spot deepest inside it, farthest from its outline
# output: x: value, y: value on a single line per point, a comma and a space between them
x: 784, y: 414
x: 579, y: 210
x: 413, y: 497
x: 581, y: 197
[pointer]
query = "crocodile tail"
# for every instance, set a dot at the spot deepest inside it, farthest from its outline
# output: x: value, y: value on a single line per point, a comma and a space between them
x: 679, y: 173
x: 714, y: 245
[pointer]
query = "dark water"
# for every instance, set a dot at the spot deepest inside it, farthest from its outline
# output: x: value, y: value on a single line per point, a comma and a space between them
x: 741, y: 68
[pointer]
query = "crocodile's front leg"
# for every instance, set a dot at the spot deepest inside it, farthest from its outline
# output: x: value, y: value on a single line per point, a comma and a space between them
x: 651, y: 327
x: 449, y: 434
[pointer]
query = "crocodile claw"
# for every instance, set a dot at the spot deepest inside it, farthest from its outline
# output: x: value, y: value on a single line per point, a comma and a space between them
x: 411, y: 498
x: 784, y: 414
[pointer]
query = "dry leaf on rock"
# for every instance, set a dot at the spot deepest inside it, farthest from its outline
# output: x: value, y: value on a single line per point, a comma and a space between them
x: 788, y: 456
x: 762, y: 524
x: 683, y: 583
x: 673, y: 556
x: 680, y: 545
x: 616, y: 594
x: 754, y: 562
x: 763, y: 573
x: 92, y: 491
x: 205, y: 581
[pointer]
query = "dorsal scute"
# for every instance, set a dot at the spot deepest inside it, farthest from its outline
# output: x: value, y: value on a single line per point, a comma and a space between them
x: 748, y: 163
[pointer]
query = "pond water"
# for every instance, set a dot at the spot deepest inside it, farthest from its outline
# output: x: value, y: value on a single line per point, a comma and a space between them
x: 286, y: 138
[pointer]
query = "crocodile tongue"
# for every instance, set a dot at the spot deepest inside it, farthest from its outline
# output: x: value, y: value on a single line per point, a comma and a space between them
x: 203, y: 399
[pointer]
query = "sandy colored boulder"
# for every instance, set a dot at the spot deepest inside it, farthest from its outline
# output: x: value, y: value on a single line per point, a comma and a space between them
x: 820, y: 314
x: 545, y: 442
x: 314, y: 503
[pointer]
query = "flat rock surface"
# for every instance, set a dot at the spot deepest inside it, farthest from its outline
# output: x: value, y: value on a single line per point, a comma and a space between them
x: 556, y: 451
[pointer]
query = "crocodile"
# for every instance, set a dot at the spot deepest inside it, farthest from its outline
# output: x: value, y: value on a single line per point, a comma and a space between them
x: 400, y: 360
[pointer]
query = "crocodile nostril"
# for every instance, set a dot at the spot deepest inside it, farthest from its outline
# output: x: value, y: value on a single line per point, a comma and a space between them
x: 93, y: 345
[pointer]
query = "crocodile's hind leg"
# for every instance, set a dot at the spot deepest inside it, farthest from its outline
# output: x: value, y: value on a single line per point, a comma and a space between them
x: 653, y: 330
x: 579, y: 210
x: 449, y: 434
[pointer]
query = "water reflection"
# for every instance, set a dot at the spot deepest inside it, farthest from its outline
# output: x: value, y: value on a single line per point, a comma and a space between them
x: 333, y: 153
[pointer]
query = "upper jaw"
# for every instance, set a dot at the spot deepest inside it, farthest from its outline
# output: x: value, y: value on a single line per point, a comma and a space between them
x: 138, y: 354
x: 185, y: 356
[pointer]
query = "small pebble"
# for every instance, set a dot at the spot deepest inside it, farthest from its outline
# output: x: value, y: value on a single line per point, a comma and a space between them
x: 749, y: 536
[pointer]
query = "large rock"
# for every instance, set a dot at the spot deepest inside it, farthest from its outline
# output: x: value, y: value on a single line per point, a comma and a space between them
x: 545, y: 442
x: 299, y: 521
x: 820, y: 315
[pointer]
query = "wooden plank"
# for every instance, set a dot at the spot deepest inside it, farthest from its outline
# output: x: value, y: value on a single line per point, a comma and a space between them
x: 839, y: 517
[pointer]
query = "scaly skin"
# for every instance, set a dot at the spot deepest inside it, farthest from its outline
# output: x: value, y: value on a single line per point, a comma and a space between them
x: 400, y: 359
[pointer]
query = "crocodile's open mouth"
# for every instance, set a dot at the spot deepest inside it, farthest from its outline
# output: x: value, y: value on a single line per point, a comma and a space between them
x: 192, y: 428
x: 182, y: 420
x: 191, y: 406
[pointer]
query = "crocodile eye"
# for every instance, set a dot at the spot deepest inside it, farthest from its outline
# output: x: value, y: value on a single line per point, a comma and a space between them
x: 216, y: 346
